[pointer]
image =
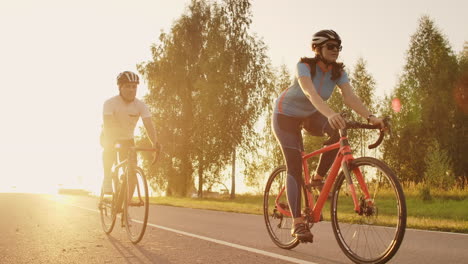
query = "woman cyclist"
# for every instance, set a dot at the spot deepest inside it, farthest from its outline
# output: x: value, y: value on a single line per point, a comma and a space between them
x: 303, y: 105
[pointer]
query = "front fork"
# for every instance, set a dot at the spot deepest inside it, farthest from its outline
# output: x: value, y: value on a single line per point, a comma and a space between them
x: 357, y: 172
x: 345, y: 166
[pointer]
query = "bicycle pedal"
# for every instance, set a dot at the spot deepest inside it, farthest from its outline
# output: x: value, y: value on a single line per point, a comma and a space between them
x: 305, y: 241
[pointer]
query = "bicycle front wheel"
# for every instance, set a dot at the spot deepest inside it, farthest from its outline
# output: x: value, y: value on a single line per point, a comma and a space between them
x: 108, y: 216
x: 374, y: 234
x: 136, y: 206
x: 277, y: 222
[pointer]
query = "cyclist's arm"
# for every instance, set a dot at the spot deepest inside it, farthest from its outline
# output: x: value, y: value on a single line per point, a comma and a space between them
x: 309, y: 90
x: 150, y: 130
x: 351, y: 100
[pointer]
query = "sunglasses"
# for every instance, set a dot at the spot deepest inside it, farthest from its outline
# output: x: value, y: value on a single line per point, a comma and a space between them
x: 333, y: 46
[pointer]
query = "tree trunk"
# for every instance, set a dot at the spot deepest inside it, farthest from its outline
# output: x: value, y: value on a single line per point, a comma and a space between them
x: 200, y: 181
x: 233, y: 177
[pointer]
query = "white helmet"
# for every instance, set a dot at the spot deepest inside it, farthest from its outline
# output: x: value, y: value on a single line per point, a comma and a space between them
x: 323, y: 36
x: 127, y: 77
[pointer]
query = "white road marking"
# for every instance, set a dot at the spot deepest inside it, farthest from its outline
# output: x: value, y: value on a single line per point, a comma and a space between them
x: 221, y: 242
x: 217, y: 241
x: 440, y: 232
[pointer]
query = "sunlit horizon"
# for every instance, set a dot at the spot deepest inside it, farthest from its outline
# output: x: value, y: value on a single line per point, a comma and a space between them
x: 60, y: 60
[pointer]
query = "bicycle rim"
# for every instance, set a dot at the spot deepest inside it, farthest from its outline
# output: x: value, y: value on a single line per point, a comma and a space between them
x: 136, y: 206
x: 374, y: 235
x: 278, y: 224
x: 107, y: 216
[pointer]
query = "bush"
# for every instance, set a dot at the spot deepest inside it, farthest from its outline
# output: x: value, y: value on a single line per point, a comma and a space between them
x: 425, y: 192
x: 438, y: 168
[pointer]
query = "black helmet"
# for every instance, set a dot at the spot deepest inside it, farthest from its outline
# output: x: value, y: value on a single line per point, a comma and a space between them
x: 323, y: 36
x: 127, y: 77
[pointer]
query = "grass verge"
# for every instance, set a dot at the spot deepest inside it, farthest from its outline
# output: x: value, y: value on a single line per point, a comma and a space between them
x: 442, y: 213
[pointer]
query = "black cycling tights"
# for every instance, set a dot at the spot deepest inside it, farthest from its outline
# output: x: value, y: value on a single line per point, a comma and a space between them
x: 294, y: 179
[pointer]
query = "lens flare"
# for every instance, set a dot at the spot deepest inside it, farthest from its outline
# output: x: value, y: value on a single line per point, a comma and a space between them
x: 396, y: 105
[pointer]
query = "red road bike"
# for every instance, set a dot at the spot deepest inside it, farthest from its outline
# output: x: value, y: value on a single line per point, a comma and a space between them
x: 368, y: 208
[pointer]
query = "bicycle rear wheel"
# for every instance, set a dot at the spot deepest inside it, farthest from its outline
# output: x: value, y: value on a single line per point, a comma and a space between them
x: 278, y: 224
x: 108, y: 216
x: 375, y: 234
x: 136, y: 206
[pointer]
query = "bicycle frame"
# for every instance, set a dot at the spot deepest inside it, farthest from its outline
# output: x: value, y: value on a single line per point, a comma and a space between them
x: 342, y: 160
x: 130, y: 163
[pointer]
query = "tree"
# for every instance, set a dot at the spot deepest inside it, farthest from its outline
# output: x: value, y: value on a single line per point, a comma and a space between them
x: 460, y: 162
x: 207, y: 81
x: 247, y: 83
x: 171, y: 77
x: 260, y: 163
x: 425, y: 91
x: 364, y: 87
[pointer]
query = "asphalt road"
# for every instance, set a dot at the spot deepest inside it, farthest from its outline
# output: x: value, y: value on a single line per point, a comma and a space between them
x: 66, y: 229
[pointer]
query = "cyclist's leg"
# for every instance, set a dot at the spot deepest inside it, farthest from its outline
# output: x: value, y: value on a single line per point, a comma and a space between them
x: 109, y: 156
x: 327, y: 158
x: 288, y: 133
x: 108, y: 159
x: 293, y: 180
x: 317, y: 124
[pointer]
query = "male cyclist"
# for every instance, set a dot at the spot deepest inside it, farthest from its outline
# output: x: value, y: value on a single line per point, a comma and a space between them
x: 120, y: 116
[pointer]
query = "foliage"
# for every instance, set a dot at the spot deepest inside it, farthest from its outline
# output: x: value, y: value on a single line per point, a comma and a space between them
x: 207, y: 81
x: 438, y: 172
x: 425, y: 92
x: 459, y: 154
x: 262, y: 162
x: 437, y: 214
x: 425, y: 192
x: 364, y: 87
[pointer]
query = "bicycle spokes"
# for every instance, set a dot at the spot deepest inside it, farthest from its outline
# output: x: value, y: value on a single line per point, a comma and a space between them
x: 276, y: 210
x: 136, y: 206
x: 107, y: 213
x: 374, y: 232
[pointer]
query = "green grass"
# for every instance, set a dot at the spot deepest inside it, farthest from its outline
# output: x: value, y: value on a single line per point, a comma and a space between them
x: 247, y: 204
x: 447, y: 211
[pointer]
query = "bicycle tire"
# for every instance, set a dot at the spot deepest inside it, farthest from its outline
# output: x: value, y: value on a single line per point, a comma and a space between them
x: 277, y: 224
x: 106, y: 210
x: 381, y: 225
x: 135, y: 223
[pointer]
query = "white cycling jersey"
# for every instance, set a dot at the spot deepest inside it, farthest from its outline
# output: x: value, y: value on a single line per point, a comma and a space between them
x: 125, y: 115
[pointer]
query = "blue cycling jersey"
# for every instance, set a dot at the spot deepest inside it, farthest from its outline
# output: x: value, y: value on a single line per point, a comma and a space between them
x: 293, y: 102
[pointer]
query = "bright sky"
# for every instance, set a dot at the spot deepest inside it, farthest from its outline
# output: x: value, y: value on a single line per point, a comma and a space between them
x: 59, y: 60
